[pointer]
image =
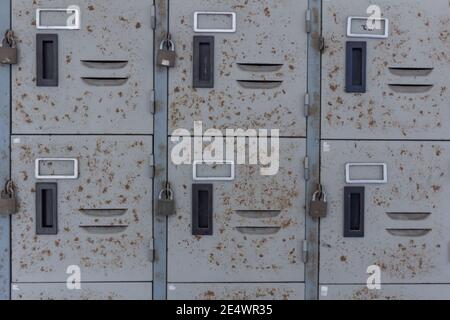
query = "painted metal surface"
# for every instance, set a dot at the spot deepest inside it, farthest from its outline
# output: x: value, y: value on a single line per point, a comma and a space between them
x: 401, y: 102
x: 258, y: 225
x: 5, y: 107
x: 160, y: 150
x: 389, y: 292
x: 234, y: 291
x: 104, y: 217
x: 88, y: 291
x: 406, y: 220
x: 110, y: 101
x: 268, y: 32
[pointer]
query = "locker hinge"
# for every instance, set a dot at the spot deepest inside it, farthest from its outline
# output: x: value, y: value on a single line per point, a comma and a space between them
x: 321, y: 44
x: 152, y: 102
x: 306, y: 167
x: 153, y: 17
x: 152, y: 252
x: 307, y: 103
x: 308, y: 21
x: 305, y: 251
x: 152, y: 166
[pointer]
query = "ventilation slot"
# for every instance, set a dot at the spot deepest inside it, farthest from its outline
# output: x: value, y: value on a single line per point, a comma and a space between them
x: 410, y: 72
x: 104, y: 212
x: 411, y: 88
x: 408, y: 216
x: 105, y: 82
x: 258, y: 214
x: 260, y: 67
x: 408, y: 232
x: 104, y: 229
x: 256, y: 84
x: 105, y: 64
x: 258, y: 230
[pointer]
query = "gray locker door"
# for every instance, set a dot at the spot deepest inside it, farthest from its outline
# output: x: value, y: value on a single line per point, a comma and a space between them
x: 82, y: 150
x: 259, y: 83
x: 407, y: 74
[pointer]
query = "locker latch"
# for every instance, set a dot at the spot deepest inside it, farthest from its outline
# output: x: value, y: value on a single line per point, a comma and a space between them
x: 8, y: 50
x: 8, y: 201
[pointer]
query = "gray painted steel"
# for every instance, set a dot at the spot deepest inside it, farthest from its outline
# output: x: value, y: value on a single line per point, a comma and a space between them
x: 5, y: 107
x: 268, y: 32
x: 417, y: 39
x: 313, y: 148
x: 89, y: 291
x: 234, y: 291
x: 160, y: 145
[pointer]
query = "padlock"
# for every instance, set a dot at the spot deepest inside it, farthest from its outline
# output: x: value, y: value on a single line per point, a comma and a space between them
x: 166, y: 54
x: 319, y: 206
x: 8, y: 201
x: 8, y: 50
x: 165, y: 205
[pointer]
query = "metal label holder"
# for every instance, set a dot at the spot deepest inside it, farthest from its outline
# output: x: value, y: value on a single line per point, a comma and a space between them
x: 225, y: 162
x: 200, y: 13
x: 56, y: 177
x: 350, y: 181
x: 76, y: 26
x: 350, y: 34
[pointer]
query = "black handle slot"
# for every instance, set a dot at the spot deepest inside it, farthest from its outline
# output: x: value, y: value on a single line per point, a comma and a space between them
x: 354, y: 212
x: 356, y: 67
x: 46, y: 209
x: 202, y: 209
x: 47, y: 60
x: 203, y: 62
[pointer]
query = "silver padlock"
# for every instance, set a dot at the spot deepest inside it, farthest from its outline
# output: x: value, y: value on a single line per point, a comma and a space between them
x: 166, y: 54
x: 165, y: 205
x: 8, y: 201
x: 8, y: 50
x: 319, y: 206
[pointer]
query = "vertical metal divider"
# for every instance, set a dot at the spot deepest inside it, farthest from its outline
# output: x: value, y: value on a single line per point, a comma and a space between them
x: 313, y: 148
x: 160, y: 147
x: 5, y: 161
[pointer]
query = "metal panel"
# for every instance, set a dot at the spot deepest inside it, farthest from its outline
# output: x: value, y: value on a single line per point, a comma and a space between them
x: 406, y: 220
x: 5, y: 107
x: 104, y: 217
x: 89, y: 291
x: 388, y: 292
x: 268, y: 33
x: 407, y: 73
x: 258, y: 225
x: 236, y: 291
x: 89, y: 99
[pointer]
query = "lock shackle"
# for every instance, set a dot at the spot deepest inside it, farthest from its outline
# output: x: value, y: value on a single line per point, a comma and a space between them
x: 319, y: 196
x: 9, y: 39
x: 168, y: 193
x: 170, y: 45
x: 9, y: 188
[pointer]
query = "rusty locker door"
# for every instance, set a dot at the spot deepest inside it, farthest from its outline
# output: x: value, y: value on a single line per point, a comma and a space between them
x: 241, y: 65
x: 385, y: 152
x: 82, y: 127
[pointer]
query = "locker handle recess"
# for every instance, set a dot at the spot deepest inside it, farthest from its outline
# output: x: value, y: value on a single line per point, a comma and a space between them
x: 46, y: 209
x: 354, y: 212
x: 203, y: 62
x: 356, y: 61
x: 47, y: 60
x: 202, y: 209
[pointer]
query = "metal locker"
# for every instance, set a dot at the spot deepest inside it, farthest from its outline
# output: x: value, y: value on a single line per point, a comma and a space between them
x: 405, y: 214
x: 260, y: 68
x: 258, y: 228
x: 406, y: 93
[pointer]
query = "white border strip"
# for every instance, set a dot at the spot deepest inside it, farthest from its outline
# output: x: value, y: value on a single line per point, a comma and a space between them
x: 198, y: 13
x: 66, y: 27
x: 363, y: 35
x: 44, y: 177
x: 199, y: 162
x: 350, y: 165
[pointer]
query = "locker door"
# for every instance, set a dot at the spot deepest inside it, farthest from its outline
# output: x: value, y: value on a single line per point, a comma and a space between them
x: 239, y: 237
x: 82, y: 146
